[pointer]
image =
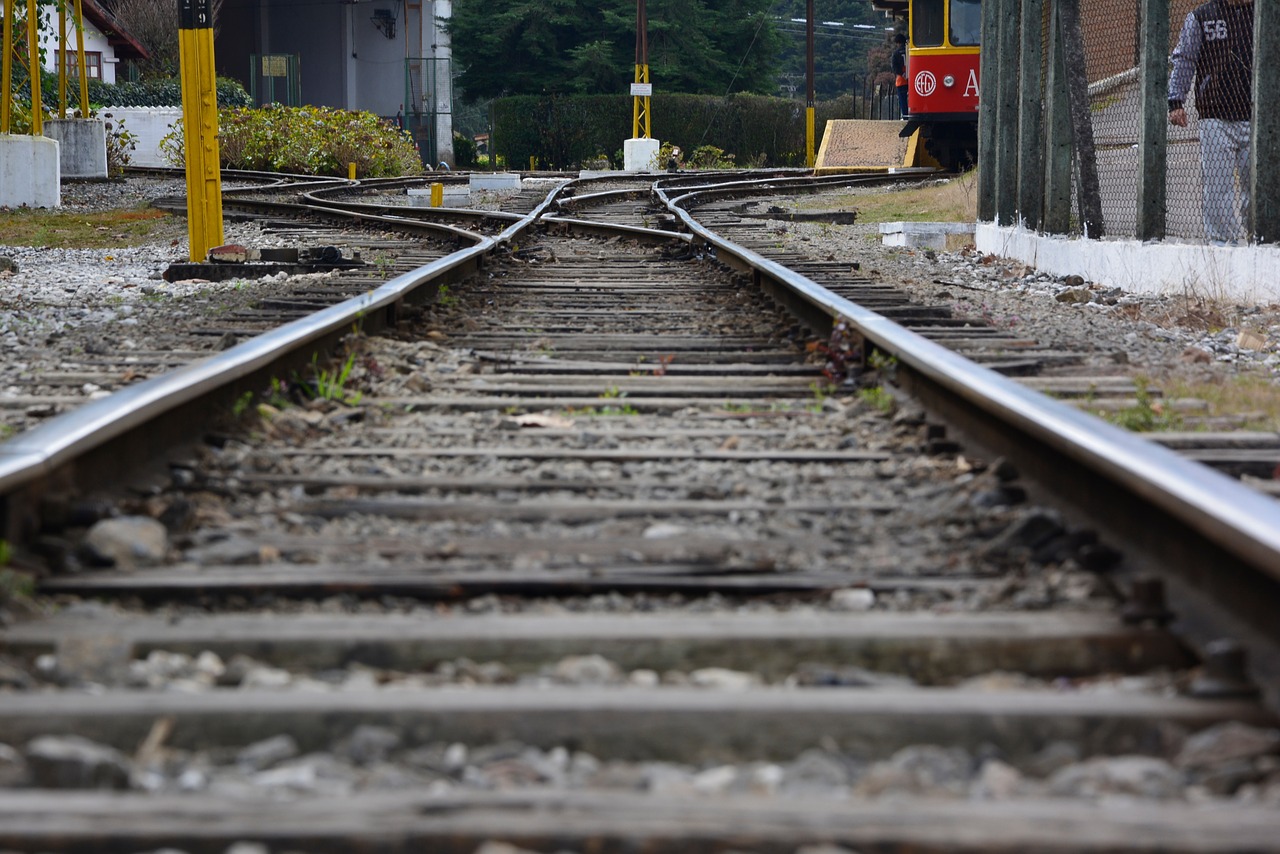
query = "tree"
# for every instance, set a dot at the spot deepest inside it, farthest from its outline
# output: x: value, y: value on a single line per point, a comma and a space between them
x: 154, y: 23
x: 848, y: 36
x: 520, y: 47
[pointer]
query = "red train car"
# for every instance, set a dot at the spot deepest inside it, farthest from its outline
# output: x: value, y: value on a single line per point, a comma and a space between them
x: 943, y: 47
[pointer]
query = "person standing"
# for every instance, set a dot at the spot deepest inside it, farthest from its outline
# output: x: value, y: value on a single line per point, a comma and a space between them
x: 898, y: 61
x: 1215, y: 49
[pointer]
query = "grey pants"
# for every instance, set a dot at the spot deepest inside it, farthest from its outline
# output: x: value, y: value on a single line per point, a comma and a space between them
x: 1224, y: 157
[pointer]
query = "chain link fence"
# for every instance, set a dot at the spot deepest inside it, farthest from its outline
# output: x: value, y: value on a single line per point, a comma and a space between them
x: 1156, y: 114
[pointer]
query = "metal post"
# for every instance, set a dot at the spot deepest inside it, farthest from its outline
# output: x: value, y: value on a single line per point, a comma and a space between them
x: 62, y: 60
x: 6, y: 67
x: 1007, y: 102
x: 1057, y: 143
x: 809, y: 157
x: 987, y: 72
x: 1265, y: 146
x: 640, y: 125
x: 1153, y: 132
x: 200, y: 119
x: 1030, y: 119
x: 1090, y: 194
x: 33, y: 66
x: 80, y: 64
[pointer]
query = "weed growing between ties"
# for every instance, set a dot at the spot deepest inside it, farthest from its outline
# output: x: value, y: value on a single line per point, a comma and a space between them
x: 1145, y: 416
x: 14, y: 586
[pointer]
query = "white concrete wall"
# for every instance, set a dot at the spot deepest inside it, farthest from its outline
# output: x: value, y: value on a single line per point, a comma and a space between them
x: 1239, y: 274
x: 149, y: 125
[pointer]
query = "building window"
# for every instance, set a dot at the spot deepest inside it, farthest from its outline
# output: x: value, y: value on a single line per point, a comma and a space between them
x: 92, y: 64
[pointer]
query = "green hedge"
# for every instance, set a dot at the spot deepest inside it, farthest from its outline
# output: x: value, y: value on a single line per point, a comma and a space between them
x: 151, y: 93
x: 564, y: 131
x: 158, y: 93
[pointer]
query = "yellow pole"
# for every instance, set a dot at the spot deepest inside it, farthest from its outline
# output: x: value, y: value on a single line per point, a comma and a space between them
x: 62, y: 60
x: 6, y: 67
x: 200, y: 122
x: 33, y: 66
x: 437, y: 195
x: 84, y: 77
x: 809, y: 136
x: 351, y: 171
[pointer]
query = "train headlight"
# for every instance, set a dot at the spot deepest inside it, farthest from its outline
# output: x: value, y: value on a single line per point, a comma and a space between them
x: 948, y: 81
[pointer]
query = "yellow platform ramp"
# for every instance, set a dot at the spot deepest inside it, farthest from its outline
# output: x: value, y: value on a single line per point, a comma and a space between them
x: 855, y: 145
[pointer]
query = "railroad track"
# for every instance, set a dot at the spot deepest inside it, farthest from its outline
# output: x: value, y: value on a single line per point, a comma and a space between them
x: 584, y: 552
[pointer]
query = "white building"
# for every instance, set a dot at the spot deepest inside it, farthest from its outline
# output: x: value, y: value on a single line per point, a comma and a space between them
x: 106, y: 43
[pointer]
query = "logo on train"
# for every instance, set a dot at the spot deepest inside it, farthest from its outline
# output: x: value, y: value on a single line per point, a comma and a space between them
x: 925, y: 83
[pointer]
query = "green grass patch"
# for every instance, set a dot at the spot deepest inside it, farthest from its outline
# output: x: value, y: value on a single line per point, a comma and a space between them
x: 98, y: 230
x: 1252, y: 398
x: 955, y: 200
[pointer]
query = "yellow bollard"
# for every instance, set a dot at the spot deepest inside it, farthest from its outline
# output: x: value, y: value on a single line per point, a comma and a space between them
x: 437, y: 195
x: 533, y: 163
x: 351, y: 171
x: 200, y: 116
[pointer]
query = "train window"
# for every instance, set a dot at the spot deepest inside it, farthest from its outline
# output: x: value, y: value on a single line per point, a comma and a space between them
x: 966, y: 22
x: 926, y: 23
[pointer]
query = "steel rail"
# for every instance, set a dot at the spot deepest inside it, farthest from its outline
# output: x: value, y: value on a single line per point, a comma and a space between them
x: 1144, y: 492
x: 49, y: 451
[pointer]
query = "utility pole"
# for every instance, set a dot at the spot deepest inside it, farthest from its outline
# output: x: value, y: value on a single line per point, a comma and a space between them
x: 808, y: 97
x: 642, y: 88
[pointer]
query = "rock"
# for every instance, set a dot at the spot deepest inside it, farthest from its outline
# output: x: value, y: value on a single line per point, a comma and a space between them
x: 268, y: 752
x: 1074, y: 296
x: 127, y: 542
x: 824, y: 676
x: 1226, y: 778
x: 13, y: 768
x: 1053, y: 757
x: 587, y: 670
x: 853, y: 599
x: 1197, y: 356
x: 723, y: 679
x: 247, y: 848
x: 369, y: 745
x: 997, y: 781
x: 919, y: 770
x: 8, y: 265
x: 644, y: 678
x: 1073, y: 281
x: 1143, y: 776
x: 72, y: 762
x: 715, y: 781
x: 814, y: 770
x: 1030, y: 531
x: 438, y: 758
x: 494, y: 847
x: 13, y: 677
x: 266, y: 677
x: 1227, y: 742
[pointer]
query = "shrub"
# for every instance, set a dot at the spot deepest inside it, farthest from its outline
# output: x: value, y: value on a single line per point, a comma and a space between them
x: 120, y: 144
x: 464, y: 151
x: 306, y: 141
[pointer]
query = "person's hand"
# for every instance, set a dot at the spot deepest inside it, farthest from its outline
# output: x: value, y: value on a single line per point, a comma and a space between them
x: 1178, y: 117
